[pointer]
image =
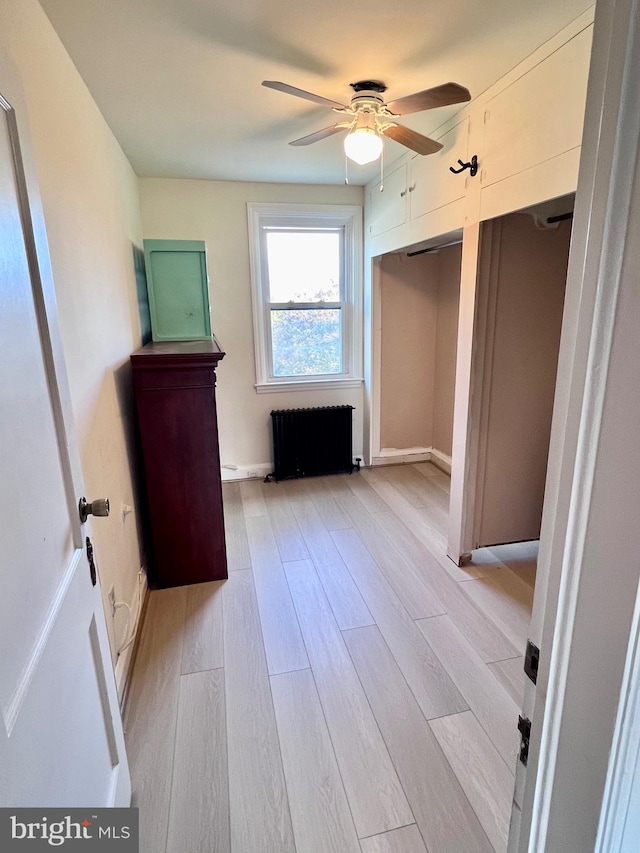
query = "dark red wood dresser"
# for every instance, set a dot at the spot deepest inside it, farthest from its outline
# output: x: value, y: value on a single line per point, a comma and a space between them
x: 175, y: 391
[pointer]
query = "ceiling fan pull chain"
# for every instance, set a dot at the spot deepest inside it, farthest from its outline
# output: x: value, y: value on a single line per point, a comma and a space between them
x: 346, y: 168
x: 382, y: 169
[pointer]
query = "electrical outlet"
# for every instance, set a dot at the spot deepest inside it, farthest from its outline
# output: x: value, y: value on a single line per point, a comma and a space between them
x: 112, y: 600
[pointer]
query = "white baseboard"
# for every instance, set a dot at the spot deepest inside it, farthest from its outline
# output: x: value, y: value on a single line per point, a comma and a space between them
x: 401, y: 456
x: 441, y: 460
x: 125, y: 659
x: 246, y: 472
x: 411, y: 455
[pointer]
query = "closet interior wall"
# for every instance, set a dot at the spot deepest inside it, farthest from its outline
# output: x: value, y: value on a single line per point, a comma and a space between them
x: 419, y: 298
x: 524, y: 288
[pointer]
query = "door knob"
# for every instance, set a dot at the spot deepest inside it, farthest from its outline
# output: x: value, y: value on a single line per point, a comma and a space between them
x: 98, y: 507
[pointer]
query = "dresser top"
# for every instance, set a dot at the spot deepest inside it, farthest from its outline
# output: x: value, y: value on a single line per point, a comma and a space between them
x: 178, y: 351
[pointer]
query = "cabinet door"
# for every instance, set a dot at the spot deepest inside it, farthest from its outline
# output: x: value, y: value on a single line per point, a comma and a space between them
x: 432, y: 185
x: 540, y: 115
x: 178, y: 288
x: 388, y: 208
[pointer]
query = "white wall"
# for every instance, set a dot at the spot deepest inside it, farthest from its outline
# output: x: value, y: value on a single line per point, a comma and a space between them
x: 89, y: 197
x: 216, y: 212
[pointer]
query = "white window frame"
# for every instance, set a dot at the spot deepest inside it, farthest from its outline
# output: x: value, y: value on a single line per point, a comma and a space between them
x: 349, y: 219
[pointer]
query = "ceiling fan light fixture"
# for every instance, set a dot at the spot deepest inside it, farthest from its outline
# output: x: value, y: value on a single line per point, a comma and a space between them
x: 363, y: 145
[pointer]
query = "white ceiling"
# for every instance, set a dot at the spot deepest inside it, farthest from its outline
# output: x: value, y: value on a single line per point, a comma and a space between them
x: 178, y: 81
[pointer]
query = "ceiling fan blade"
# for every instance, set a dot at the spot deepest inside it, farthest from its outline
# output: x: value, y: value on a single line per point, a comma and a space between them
x: 318, y: 135
x: 415, y: 141
x: 300, y: 93
x: 439, y: 96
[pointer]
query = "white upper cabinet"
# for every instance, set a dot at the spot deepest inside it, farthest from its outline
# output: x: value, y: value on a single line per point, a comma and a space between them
x: 540, y: 115
x: 526, y: 131
x: 388, y: 207
x: 431, y: 184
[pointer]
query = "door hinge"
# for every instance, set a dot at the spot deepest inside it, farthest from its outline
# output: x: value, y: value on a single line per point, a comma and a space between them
x: 524, y: 727
x: 92, y: 566
x: 531, y: 661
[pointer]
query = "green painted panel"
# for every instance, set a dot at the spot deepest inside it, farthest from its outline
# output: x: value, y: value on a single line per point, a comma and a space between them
x: 178, y: 289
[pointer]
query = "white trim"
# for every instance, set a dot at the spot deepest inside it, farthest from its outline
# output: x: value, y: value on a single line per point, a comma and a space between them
x: 246, y: 472
x: 124, y: 661
x: 411, y: 455
x: 623, y: 766
x: 348, y: 217
x: 319, y: 384
x: 441, y: 460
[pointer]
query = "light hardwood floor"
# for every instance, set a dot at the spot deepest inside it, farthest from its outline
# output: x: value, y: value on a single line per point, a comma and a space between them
x: 347, y: 690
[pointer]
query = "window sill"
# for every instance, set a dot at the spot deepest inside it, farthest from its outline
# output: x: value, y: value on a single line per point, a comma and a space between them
x: 307, y: 385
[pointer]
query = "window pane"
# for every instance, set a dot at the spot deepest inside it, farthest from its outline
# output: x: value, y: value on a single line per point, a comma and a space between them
x: 306, y: 342
x: 304, y: 266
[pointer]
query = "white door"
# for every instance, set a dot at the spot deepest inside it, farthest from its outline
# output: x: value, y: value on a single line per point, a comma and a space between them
x: 61, y: 740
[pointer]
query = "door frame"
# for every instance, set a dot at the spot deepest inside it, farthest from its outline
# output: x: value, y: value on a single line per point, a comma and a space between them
x: 582, y: 616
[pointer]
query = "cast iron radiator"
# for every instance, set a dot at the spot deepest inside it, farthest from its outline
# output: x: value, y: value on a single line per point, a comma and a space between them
x: 308, y: 442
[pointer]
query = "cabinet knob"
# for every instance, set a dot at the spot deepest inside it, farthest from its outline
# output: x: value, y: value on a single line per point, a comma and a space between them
x: 99, y: 507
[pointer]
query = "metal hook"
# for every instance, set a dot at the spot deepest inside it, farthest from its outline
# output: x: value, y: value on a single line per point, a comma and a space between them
x: 472, y: 166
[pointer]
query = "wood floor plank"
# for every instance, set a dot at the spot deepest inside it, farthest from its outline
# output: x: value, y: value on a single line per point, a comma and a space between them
x: 395, y: 497
x: 482, y: 773
x: 285, y: 527
x: 202, y: 645
x: 320, y: 814
x: 329, y: 511
x: 428, y: 469
x: 492, y: 705
x: 416, y: 595
x: 259, y: 809
x: 346, y: 602
x: 234, y: 528
x: 429, y: 530
x: 510, y: 674
x: 487, y: 639
x: 199, y: 815
x: 434, y: 691
x: 253, y: 503
x: 283, y: 642
x: 521, y: 558
x: 374, y: 792
x: 404, y: 840
x: 419, y: 490
x: 507, y: 600
x: 154, y: 698
x: 446, y: 820
x: 369, y: 498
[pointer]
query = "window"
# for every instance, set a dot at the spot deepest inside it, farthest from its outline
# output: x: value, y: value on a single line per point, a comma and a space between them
x: 307, y: 295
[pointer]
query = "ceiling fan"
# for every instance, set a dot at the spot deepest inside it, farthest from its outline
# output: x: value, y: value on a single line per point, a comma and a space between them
x: 368, y: 117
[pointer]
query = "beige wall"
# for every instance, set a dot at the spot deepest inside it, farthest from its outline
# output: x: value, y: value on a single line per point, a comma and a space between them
x: 446, y: 346
x: 89, y: 197
x: 216, y: 212
x: 409, y: 314
x: 530, y: 277
x: 419, y: 316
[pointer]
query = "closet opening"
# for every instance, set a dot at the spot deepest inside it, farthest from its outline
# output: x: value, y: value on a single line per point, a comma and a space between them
x: 419, y: 292
x: 520, y: 300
